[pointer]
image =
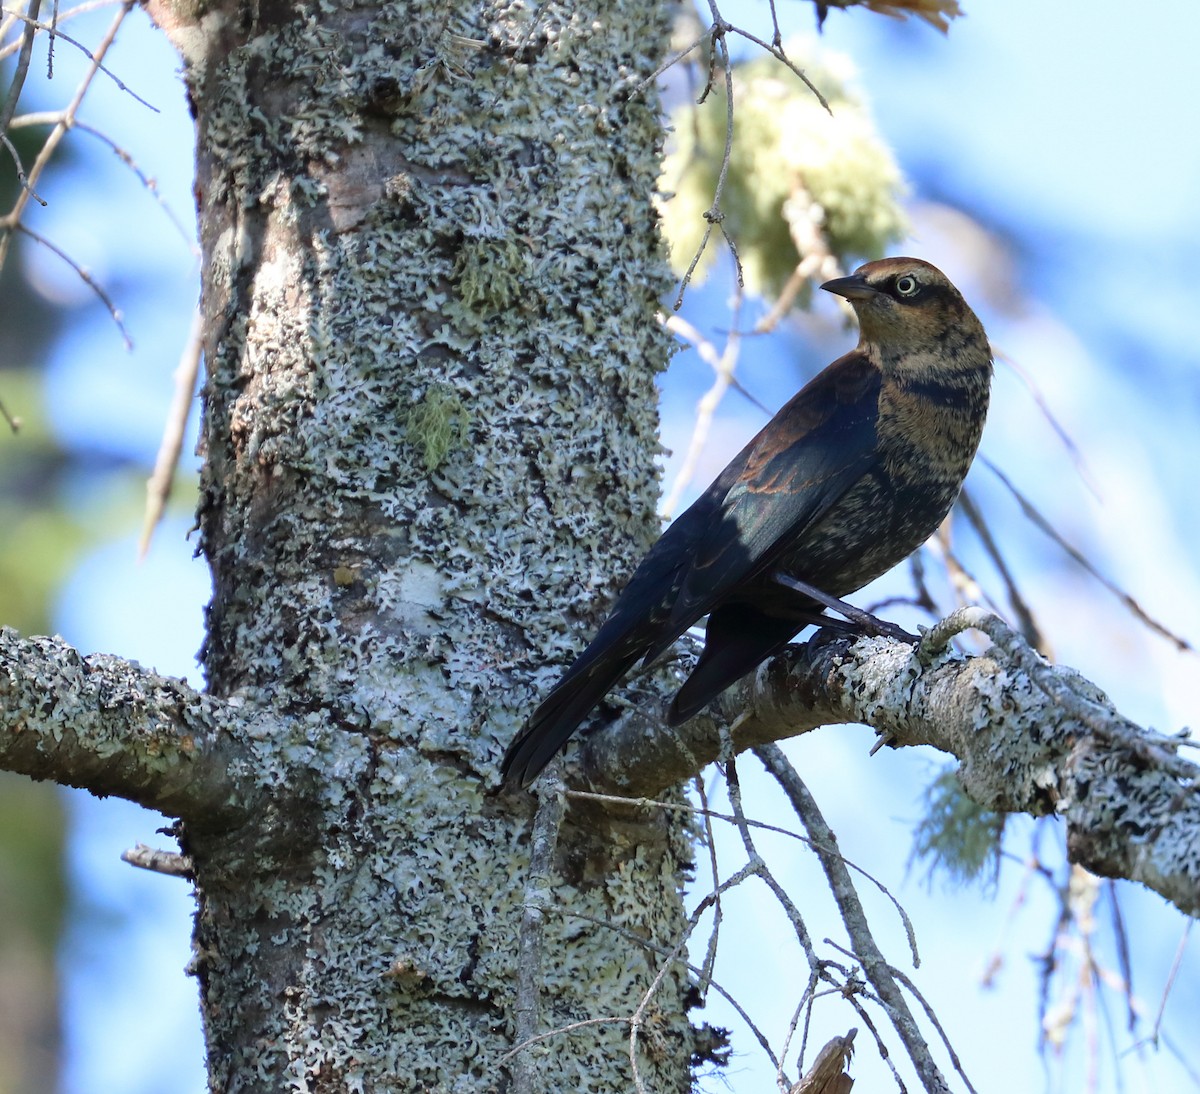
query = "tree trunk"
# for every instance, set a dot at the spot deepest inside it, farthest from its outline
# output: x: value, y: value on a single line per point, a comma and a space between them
x: 431, y: 270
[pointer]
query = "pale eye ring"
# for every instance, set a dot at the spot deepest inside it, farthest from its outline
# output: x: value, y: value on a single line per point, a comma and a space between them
x: 907, y: 285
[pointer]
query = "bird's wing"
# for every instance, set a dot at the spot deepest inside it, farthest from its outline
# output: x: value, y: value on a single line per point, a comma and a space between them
x: 806, y: 458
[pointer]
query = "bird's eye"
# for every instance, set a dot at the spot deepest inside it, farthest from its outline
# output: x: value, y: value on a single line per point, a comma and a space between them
x: 907, y: 285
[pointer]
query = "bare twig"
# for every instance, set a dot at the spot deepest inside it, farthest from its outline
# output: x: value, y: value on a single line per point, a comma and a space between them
x: 644, y: 943
x: 749, y: 822
x: 170, y: 863
x: 94, y: 58
x: 13, y: 422
x: 85, y: 277
x: 53, y: 117
x: 875, y: 966
x: 12, y: 220
x: 706, y: 408
x: 1029, y: 628
x: 710, y: 950
x: 671, y: 62
x: 714, y: 216
x: 781, y: 895
x: 22, y: 181
x: 22, y: 70
x: 776, y: 51
x: 931, y: 1014
x: 1042, y: 524
x: 158, y: 486
x: 573, y: 1027
x: 1060, y: 431
x: 1166, y: 993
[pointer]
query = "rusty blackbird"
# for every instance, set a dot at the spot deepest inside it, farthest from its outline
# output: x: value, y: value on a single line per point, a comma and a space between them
x: 850, y: 477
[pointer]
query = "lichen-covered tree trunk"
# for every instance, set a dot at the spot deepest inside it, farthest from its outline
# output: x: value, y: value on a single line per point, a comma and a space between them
x: 431, y: 269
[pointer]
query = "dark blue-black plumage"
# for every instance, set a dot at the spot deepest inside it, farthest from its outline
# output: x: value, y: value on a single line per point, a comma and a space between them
x: 850, y: 477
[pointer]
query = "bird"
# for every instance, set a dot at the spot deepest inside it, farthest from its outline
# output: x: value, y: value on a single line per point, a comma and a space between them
x: 850, y: 477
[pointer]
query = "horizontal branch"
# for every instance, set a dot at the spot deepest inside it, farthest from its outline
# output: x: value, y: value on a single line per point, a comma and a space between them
x: 1030, y: 737
x: 109, y: 726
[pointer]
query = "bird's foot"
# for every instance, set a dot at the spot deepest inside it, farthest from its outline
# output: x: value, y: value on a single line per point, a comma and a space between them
x: 855, y: 620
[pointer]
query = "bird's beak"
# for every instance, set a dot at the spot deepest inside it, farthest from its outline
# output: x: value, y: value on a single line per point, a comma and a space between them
x: 854, y: 287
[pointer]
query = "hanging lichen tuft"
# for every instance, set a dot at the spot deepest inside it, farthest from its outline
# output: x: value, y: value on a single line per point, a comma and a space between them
x: 437, y: 425
x: 786, y: 148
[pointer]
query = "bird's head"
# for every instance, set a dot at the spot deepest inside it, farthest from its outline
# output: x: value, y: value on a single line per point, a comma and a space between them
x: 905, y: 305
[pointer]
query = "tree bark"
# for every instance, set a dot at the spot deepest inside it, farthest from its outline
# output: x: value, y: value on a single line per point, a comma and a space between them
x: 431, y: 270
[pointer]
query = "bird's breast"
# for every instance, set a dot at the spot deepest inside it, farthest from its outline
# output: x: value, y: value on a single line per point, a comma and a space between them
x: 928, y: 430
x: 926, y: 436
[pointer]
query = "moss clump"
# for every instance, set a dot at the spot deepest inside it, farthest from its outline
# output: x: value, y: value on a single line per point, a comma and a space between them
x: 437, y: 425
x: 786, y: 146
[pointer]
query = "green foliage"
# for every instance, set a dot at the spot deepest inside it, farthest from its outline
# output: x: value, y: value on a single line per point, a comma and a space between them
x: 956, y: 836
x: 437, y: 425
x: 786, y: 147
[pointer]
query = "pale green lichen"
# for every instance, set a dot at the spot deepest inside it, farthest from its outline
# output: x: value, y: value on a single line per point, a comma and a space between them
x: 437, y: 425
x: 785, y: 146
x: 491, y: 273
x: 957, y: 837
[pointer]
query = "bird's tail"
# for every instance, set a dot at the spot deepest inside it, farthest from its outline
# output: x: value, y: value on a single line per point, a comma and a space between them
x: 737, y: 638
x: 598, y: 668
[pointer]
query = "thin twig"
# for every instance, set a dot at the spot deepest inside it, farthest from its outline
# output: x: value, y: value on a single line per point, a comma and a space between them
x: 1124, y: 962
x: 710, y: 950
x: 14, y: 423
x: 573, y: 1027
x: 779, y: 55
x: 59, y: 18
x: 21, y: 179
x: 50, y: 46
x: 83, y: 276
x: 54, y: 32
x: 1060, y: 431
x: 1042, y: 524
x: 53, y: 117
x: 158, y: 486
x: 790, y: 909
x: 645, y: 943
x: 714, y: 215
x: 9, y: 109
x: 706, y: 408
x: 762, y: 826
x: 1029, y: 628
x: 1166, y: 994
x: 931, y: 1014
x: 13, y: 218
x: 875, y: 966
x: 670, y: 62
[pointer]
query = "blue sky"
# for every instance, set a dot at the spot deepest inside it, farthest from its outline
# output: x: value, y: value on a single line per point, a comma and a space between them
x: 1071, y: 131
